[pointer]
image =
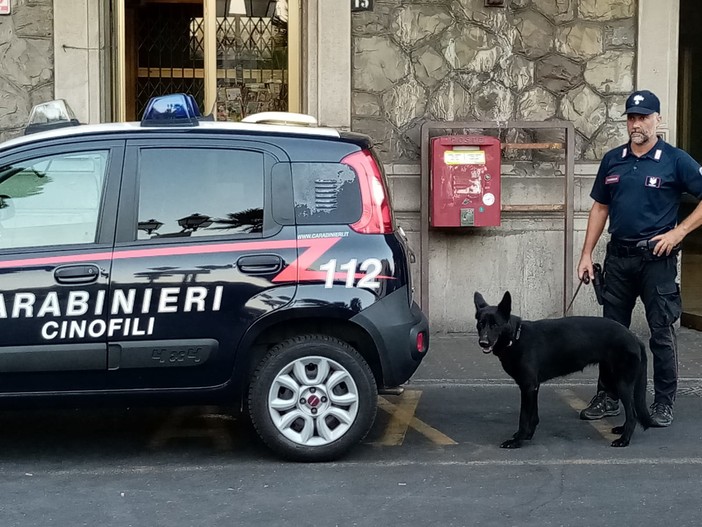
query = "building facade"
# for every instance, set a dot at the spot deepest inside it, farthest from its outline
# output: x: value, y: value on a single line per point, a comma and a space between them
x: 386, y: 71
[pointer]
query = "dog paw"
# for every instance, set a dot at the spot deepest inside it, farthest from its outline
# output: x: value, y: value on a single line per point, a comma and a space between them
x: 619, y: 430
x: 620, y: 442
x: 512, y: 443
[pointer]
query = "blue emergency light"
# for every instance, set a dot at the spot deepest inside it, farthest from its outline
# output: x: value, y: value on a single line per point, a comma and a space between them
x: 177, y: 109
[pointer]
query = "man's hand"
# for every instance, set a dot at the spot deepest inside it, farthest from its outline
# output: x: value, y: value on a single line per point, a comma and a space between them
x: 585, y: 268
x: 667, y: 242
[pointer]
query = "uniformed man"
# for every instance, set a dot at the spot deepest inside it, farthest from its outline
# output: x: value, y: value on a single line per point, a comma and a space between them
x: 638, y: 187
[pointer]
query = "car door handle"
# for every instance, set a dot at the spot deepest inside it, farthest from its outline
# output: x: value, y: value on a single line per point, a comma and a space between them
x: 260, y: 264
x: 77, y: 274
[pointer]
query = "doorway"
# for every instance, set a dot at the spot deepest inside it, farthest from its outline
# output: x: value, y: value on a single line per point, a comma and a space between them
x: 690, y: 140
x: 236, y: 57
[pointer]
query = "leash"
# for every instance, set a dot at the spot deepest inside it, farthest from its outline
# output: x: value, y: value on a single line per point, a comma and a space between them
x: 585, y: 280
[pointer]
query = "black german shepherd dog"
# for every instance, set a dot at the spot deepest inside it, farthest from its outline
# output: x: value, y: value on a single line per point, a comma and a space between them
x: 532, y: 352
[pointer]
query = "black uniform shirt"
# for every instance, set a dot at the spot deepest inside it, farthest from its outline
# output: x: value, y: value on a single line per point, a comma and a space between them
x: 643, y: 193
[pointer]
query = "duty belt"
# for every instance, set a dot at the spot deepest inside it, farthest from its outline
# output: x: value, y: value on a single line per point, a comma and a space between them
x: 624, y: 251
x: 628, y: 249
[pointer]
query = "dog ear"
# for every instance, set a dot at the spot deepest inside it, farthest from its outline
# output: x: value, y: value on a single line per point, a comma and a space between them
x: 505, y: 305
x: 480, y: 302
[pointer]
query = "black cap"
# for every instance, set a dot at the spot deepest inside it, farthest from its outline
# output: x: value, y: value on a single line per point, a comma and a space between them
x: 643, y: 102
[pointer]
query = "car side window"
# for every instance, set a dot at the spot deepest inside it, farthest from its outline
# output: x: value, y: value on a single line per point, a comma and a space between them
x: 52, y: 200
x: 326, y: 194
x: 192, y: 192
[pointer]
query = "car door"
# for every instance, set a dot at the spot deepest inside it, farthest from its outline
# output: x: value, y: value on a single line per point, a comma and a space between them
x: 196, y: 254
x: 57, y: 222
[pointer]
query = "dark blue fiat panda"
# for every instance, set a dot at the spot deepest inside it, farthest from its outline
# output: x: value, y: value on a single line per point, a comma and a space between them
x: 255, y: 264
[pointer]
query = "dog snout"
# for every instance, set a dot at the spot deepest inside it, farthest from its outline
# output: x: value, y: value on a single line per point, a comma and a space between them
x: 484, y: 343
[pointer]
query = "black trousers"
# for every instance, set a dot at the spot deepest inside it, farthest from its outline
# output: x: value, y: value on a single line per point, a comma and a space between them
x: 630, y: 274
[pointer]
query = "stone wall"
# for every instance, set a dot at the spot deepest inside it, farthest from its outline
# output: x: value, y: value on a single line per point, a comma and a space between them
x: 26, y: 62
x: 457, y: 60
x: 534, y: 60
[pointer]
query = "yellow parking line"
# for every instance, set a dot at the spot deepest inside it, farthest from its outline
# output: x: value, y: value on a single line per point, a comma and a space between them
x: 576, y: 403
x: 402, y: 417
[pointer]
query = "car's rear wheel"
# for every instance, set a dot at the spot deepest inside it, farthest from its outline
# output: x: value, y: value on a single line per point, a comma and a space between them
x: 312, y: 398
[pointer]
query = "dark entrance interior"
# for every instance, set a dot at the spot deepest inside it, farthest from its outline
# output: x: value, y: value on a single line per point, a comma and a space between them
x: 690, y: 139
x: 164, y: 51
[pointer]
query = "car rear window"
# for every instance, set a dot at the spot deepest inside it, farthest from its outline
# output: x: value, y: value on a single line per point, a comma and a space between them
x: 326, y: 194
x: 192, y: 192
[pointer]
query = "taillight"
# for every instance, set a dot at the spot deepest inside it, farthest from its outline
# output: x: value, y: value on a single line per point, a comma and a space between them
x: 376, y: 217
x: 421, y: 347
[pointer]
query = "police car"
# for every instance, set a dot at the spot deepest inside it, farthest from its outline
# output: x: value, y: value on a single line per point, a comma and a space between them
x: 256, y: 264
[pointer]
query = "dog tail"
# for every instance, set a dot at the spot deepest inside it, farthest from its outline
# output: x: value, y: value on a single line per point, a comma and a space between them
x: 640, y: 406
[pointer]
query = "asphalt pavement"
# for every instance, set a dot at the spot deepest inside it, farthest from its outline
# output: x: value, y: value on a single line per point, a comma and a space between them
x: 432, y: 458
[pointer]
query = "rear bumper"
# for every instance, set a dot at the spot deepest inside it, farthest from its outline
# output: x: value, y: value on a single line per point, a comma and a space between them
x: 394, y: 326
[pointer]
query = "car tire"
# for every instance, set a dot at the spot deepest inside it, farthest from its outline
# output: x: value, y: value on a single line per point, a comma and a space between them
x: 312, y: 398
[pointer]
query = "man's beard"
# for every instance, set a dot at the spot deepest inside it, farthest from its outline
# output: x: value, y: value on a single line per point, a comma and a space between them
x: 639, y: 138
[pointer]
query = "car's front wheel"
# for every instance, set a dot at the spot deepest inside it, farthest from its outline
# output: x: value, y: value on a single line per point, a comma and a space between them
x: 312, y: 398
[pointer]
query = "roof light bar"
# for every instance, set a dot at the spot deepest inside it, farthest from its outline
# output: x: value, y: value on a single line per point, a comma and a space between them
x: 50, y: 115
